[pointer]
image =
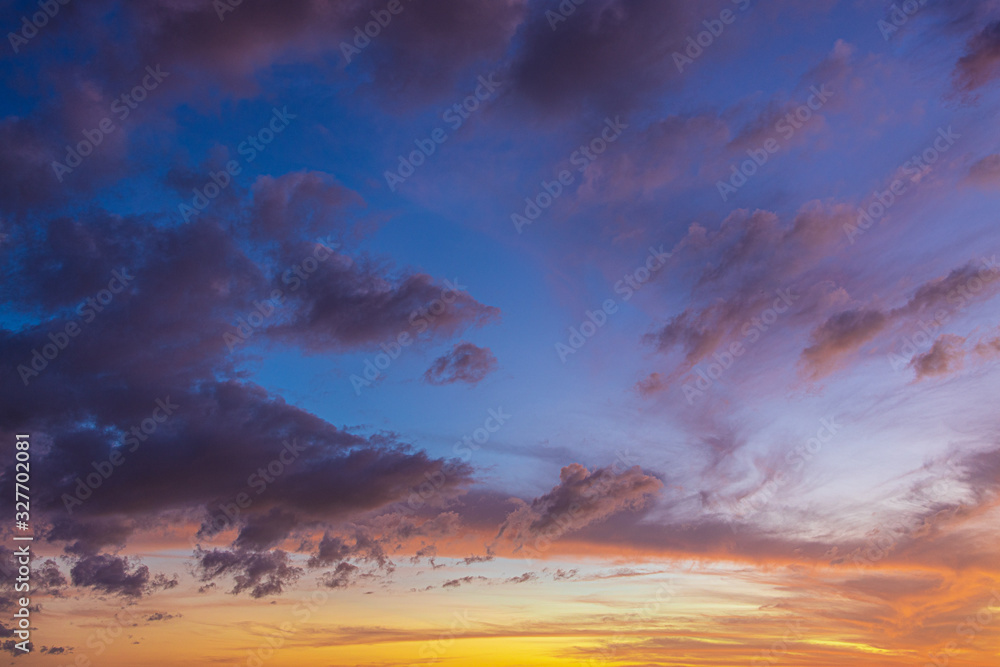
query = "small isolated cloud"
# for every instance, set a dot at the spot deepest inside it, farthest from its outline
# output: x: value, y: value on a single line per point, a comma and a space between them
x: 470, y: 560
x: 651, y: 384
x: 464, y: 363
x: 159, y: 616
x: 944, y: 357
x: 986, y: 172
x: 455, y: 583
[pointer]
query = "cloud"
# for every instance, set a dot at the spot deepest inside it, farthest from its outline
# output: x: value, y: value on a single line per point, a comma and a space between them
x: 331, y: 550
x: 841, y: 333
x: 846, y: 331
x: 260, y: 573
x: 465, y: 362
x: 421, y: 52
x: 341, y: 577
x: 87, y: 538
x: 988, y: 348
x: 115, y: 575
x: 48, y: 578
x: 986, y: 171
x: 608, y: 54
x: 752, y: 262
x: 581, y: 498
x: 135, y: 351
x: 944, y: 357
x: 981, y: 62
x: 455, y: 583
x: 159, y: 616
x: 356, y: 307
x: 651, y: 384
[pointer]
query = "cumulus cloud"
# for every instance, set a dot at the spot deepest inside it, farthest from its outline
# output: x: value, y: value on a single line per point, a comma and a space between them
x: 135, y: 352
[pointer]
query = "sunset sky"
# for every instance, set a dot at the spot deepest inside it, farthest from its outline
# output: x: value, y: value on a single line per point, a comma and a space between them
x: 527, y: 333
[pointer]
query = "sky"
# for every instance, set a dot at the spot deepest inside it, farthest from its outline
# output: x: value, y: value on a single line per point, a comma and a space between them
x: 527, y: 333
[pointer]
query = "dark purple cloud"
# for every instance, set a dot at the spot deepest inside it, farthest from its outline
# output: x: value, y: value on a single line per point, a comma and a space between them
x: 259, y: 573
x: 116, y: 575
x: 340, y: 577
x: 610, y: 54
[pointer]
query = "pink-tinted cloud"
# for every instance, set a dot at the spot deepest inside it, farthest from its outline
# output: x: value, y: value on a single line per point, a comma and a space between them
x: 944, y: 357
x: 463, y: 363
x: 986, y: 171
x: 581, y: 498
